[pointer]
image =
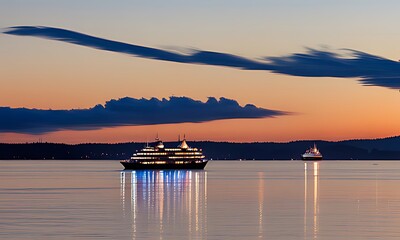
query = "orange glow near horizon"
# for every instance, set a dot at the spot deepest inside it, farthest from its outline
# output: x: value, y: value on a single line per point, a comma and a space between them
x: 336, y: 110
x: 326, y: 108
x: 262, y: 130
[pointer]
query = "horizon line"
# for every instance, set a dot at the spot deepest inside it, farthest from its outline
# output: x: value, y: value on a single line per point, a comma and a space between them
x: 254, y: 142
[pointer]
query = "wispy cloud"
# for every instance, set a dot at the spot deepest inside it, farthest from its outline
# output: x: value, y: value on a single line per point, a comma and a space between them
x: 126, y: 112
x: 371, y: 70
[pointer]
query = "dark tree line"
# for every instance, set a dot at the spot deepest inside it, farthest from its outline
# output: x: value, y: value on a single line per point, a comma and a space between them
x: 384, y: 149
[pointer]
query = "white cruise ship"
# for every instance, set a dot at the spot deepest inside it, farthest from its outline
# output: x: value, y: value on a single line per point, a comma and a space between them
x: 160, y: 157
x: 312, y: 154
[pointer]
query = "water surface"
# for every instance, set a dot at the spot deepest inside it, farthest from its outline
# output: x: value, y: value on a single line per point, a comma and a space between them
x: 229, y: 200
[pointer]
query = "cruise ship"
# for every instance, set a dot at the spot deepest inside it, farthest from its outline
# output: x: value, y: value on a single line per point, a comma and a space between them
x: 312, y: 154
x: 160, y: 157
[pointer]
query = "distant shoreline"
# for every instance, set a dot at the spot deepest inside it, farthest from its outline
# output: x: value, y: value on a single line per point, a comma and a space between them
x: 365, y: 149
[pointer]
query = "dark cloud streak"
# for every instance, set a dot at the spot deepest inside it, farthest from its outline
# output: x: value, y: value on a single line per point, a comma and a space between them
x: 371, y: 70
x: 128, y: 112
x: 198, y: 57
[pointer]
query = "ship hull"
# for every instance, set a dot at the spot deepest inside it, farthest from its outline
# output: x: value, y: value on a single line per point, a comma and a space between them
x: 311, y: 158
x: 139, y: 166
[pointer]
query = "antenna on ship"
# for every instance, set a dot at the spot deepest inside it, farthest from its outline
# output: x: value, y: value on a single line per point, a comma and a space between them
x: 179, y: 137
x: 157, y: 137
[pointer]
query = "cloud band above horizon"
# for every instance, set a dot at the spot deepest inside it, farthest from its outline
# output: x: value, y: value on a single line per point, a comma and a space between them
x: 370, y: 69
x: 128, y: 112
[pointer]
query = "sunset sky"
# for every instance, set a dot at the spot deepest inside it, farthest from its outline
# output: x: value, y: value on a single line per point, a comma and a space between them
x: 344, y: 86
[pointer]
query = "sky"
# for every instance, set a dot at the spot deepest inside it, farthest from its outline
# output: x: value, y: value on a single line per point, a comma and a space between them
x: 240, y: 71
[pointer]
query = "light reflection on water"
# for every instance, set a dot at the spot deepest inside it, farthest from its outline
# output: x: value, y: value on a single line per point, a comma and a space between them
x: 166, y: 203
x: 315, y: 194
x: 229, y: 200
x: 155, y: 195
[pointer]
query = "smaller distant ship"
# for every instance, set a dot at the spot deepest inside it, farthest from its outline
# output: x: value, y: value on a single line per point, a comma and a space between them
x: 312, y: 154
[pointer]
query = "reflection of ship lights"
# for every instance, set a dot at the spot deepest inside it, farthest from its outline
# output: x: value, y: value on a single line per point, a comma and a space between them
x: 260, y: 204
x: 316, y: 195
x: 133, y: 202
x: 122, y: 180
x: 315, y: 213
x: 160, y: 195
x: 305, y: 200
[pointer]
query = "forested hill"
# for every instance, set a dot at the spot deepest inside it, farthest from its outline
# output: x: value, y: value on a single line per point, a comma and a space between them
x: 386, y: 148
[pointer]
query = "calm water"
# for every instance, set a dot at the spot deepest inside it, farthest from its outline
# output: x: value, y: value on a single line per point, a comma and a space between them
x: 230, y: 200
